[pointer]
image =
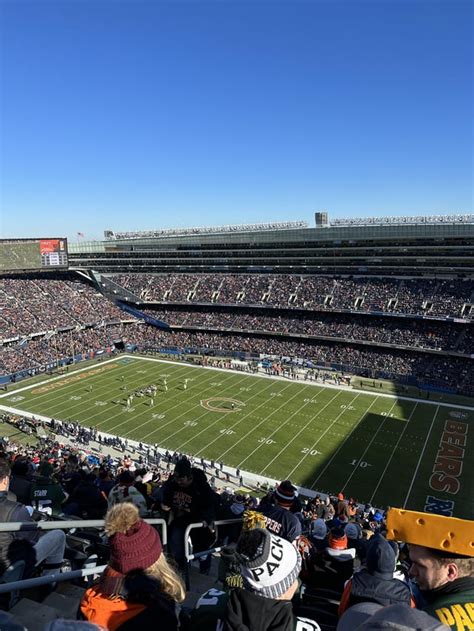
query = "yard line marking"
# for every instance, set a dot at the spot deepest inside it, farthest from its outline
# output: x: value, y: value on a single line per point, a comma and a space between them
x: 38, y: 384
x: 282, y: 425
x: 59, y: 394
x: 421, y: 457
x: 158, y: 410
x: 392, y: 454
x: 298, y: 433
x: 322, y: 435
x: 343, y: 442
x: 259, y: 424
x: 203, y: 414
x: 356, y: 466
x: 316, y: 384
x: 84, y: 409
x: 206, y: 413
x: 238, y: 421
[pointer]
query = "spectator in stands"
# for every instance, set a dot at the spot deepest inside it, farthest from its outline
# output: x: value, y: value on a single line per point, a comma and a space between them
x: 269, y: 567
x: 278, y: 516
x: 20, y: 481
x: 124, y: 491
x: 373, y: 616
x: 139, y: 589
x: 353, y: 532
x: 188, y: 498
x: 87, y: 500
x: 70, y: 475
x: 46, y: 492
x: 329, y: 511
x: 35, y: 549
x: 105, y: 483
x: 376, y: 582
x: 233, y: 508
x: 318, y: 534
x: 335, y: 565
x: 446, y: 583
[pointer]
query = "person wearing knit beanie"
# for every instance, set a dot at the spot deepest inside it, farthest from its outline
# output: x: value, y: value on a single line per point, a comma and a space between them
x: 335, y: 564
x: 376, y: 581
x: 269, y: 566
x: 138, y: 585
x: 285, y: 494
x: 279, y: 520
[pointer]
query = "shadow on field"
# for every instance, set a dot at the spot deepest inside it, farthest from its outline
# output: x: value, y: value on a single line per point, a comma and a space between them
x: 352, y: 462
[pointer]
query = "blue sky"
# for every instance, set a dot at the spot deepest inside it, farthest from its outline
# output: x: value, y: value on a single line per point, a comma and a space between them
x: 136, y: 115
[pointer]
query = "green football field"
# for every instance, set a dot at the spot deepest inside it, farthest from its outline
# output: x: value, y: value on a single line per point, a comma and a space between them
x: 380, y: 449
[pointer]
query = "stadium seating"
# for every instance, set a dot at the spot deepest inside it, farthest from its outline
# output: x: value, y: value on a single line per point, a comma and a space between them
x: 436, y: 298
x: 47, y: 319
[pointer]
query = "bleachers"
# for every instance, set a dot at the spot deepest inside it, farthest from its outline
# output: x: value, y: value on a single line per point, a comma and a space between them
x: 428, y: 297
x: 87, y: 550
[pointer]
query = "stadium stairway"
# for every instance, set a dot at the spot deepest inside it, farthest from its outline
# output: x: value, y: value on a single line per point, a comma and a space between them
x: 62, y: 603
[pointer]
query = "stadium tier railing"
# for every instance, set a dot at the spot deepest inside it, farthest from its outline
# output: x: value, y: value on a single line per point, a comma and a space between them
x: 99, y: 523
x: 191, y: 556
x: 15, y: 526
x: 27, y: 583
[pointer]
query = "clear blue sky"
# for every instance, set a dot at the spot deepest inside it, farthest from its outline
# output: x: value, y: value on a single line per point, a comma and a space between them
x: 135, y: 115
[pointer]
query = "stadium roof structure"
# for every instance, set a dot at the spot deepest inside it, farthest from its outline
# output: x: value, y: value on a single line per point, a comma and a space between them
x: 404, y: 220
x: 177, y: 232
x: 436, y: 245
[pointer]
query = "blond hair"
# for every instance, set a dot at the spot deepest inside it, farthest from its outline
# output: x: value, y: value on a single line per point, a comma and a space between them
x: 121, y: 518
x: 171, y: 582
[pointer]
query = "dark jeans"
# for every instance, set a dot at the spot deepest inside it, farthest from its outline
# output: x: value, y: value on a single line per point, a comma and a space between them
x: 202, y: 539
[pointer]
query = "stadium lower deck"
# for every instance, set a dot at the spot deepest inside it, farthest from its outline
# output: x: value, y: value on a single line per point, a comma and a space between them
x: 378, y: 448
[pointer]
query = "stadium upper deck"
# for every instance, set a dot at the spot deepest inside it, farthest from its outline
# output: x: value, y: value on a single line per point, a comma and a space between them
x: 428, y: 247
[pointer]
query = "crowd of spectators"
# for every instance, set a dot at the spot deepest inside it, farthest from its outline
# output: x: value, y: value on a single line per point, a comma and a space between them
x: 444, y: 371
x: 414, y: 296
x: 335, y: 546
x: 421, y: 334
x: 453, y: 373
x: 29, y: 305
x: 35, y: 354
x: 33, y: 305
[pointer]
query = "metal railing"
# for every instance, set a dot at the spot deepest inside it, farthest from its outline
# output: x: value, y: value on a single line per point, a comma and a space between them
x: 28, y: 526
x: 26, y: 583
x: 16, y: 526
x: 190, y: 556
x: 99, y: 523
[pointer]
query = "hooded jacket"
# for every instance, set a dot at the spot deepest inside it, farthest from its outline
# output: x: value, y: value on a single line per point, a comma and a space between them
x: 241, y: 610
x: 375, y: 583
x: 364, y: 587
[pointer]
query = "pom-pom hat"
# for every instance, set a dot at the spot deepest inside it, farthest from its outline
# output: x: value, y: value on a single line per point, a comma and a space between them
x: 134, y: 544
x: 285, y: 493
x: 269, y: 564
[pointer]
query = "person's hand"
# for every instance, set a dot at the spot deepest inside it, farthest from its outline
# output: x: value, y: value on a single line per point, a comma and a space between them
x: 165, y: 508
x: 210, y: 526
